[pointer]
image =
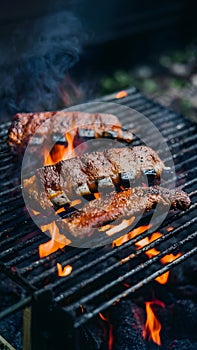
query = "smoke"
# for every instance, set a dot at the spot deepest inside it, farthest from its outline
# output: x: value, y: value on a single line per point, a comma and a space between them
x: 35, y: 56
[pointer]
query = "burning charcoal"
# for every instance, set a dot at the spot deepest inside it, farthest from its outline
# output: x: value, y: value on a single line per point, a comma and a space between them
x: 90, y: 337
x: 10, y: 327
x: 181, y: 344
x: 187, y: 291
x: 185, y: 273
x: 184, y: 319
x: 126, y: 329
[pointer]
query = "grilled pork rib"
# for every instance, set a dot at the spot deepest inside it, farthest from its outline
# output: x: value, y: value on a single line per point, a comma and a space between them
x: 83, y: 175
x: 117, y: 205
x: 25, y: 125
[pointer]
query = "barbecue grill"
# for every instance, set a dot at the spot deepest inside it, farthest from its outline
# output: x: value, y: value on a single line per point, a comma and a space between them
x: 101, y: 276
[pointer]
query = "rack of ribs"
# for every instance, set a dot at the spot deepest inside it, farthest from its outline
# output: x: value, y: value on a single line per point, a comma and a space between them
x: 55, y: 125
x: 113, y: 206
x: 55, y: 185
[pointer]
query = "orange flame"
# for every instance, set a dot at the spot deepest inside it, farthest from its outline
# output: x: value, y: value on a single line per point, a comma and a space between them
x: 104, y: 228
x: 143, y: 242
x: 35, y: 212
x: 103, y: 317
x: 152, y: 326
x: 97, y: 195
x: 57, y: 241
x: 110, y: 339
x: 62, y: 272
x: 153, y: 252
x: 82, y: 308
x: 121, y: 94
x: 60, y: 210
x: 140, y: 244
x: 119, y: 241
x: 167, y: 258
x: 60, y: 152
x: 117, y: 228
x: 170, y: 228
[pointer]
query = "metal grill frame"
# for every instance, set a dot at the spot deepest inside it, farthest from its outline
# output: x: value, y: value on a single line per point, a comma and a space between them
x: 22, y: 267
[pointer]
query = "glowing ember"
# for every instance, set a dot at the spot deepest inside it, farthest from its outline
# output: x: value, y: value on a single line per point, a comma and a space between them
x: 97, y: 195
x: 121, y: 94
x: 60, y: 152
x: 62, y: 272
x: 152, y: 326
x: 57, y: 241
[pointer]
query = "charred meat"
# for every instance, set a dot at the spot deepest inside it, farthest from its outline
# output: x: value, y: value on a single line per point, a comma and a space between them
x: 83, y: 175
x: 118, y: 205
x: 56, y: 124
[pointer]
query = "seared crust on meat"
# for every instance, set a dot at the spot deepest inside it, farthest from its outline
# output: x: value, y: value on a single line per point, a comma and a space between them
x: 82, y: 175
x: 118, y: 205
x: 25, y: 125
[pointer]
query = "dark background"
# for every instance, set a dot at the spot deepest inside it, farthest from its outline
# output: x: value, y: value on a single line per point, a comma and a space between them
x: 41, y: 41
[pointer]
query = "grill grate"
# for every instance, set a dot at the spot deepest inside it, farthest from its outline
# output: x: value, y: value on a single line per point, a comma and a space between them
x: 99, y: 274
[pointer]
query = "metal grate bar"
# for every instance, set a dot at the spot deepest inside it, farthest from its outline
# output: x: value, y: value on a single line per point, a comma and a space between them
x: 20, y: 238
x: 135, y: 287
x: 113, y: 252
x: 128, y: 244
x: 140, y: 267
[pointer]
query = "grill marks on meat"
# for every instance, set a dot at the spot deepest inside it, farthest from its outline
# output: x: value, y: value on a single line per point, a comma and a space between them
x: 117, y: 205
x: 25, y: 125
x: 83, y: 175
